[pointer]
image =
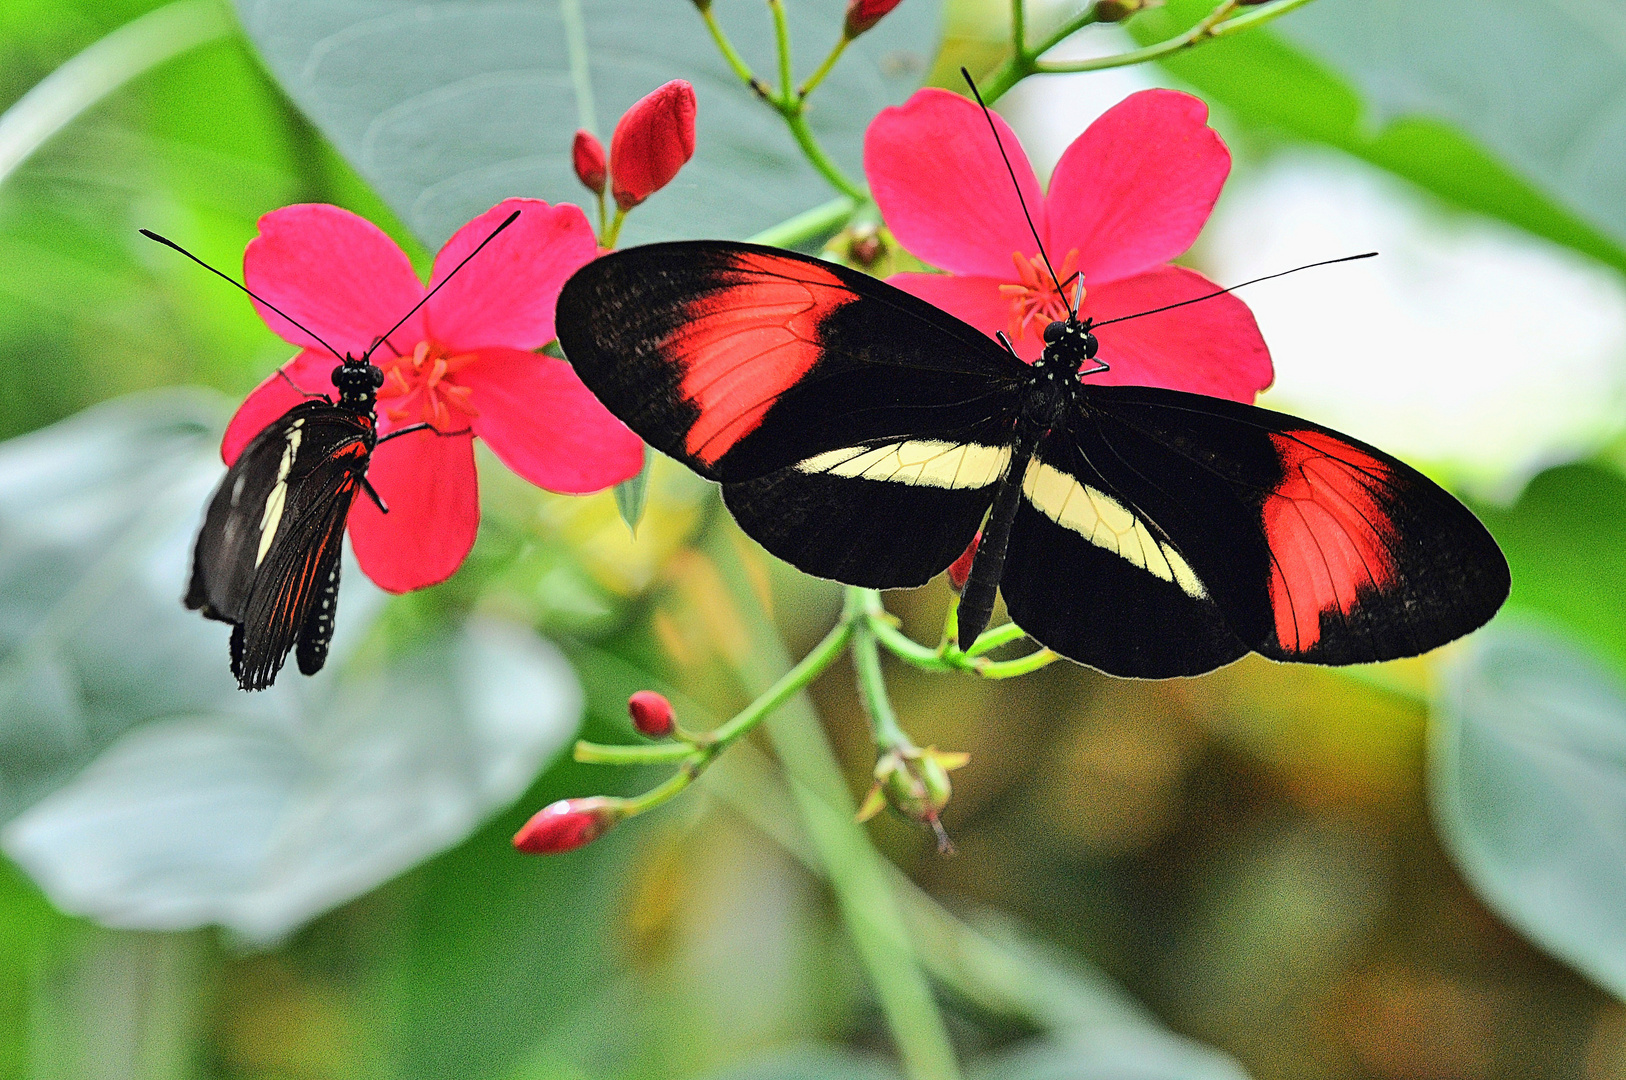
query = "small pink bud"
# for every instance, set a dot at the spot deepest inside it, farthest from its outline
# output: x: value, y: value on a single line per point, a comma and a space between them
x: 863, y: 14
x: 568, y: 824
x: 651, y: 143
x: 959, y: 570
x: 651, y: 714
x: 587, y: 154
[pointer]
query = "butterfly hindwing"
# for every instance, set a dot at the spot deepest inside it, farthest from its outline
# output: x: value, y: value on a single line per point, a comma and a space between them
x: 1317, y: 547
x: 269, y: 548
x: 885, y: 515
x: 1090, y: 575
x: 743, y: 361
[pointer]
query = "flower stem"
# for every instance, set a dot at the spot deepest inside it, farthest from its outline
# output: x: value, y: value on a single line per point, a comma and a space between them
x: 712, y: 743
x: 781, y: 34
x: 815, y: 154
x: 1212, y: 26
x: 812, y: 224
x: 825, y: 68
x: 610, y: 235
x: 1019, y: 29
x: 732, y: 57
x: 883, y: 719
x: 857, y: 874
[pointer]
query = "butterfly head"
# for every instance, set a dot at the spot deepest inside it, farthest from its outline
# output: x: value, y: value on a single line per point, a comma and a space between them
x: 358, y: 380
x: 1069, y: 344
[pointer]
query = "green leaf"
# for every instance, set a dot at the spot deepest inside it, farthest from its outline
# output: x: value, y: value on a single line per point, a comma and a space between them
x: 259, y: 819
x: 1291, y: 82
x: 448, y: 108
x: 1126, y: 1053
x: 630, y: 495
x: 1565, y: 536
x: 1528, y: 785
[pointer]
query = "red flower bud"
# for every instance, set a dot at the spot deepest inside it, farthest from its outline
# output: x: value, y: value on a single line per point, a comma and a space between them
x: 587, y: 154
x: 960, y: 569
x: 568, y: 824
x: 863, y: 14
x: 651, y: 143
x: 651, y: 714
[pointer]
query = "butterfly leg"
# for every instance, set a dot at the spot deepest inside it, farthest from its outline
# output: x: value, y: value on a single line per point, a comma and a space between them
x: 372, y: 494
x: 410, y: 428
x: 300, y: 390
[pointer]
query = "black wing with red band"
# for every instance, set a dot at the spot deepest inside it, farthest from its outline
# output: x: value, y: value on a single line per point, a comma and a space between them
x: 862, y: 434
x: 267, y: 557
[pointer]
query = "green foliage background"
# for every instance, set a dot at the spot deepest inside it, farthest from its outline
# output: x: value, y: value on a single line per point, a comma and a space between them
x: 1249, y: 856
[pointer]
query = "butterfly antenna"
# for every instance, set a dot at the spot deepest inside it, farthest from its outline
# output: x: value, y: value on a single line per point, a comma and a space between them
x: 1233, y: 288
x: 987, y: 114
x: 507, y: 221
x: 167, y: 242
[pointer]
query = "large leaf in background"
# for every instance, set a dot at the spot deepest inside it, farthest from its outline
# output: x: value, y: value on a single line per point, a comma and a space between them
x: 1528, y: 783
x: 1445, y: 139
x: 259, y: 823
x: 97, y: 515
x: 448, y: 107
x: 1124, y: 1053
x: 1564, y: 538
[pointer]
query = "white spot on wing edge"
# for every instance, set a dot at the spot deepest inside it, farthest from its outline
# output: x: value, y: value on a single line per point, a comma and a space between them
x: 927, y: 462
x: 1106, y: 523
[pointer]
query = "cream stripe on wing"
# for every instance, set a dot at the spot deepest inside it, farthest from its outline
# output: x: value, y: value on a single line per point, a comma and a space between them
x: 925, y: 462
x: 1106, y: 523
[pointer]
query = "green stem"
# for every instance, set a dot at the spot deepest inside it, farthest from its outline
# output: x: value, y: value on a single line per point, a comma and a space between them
x: 824, y: 69
x: 989, y: 640
x: 1010, y: 669
x: 781, y: 34
x: 613, y: 233
x: 812, y: 224
x: 1212, y: 27
x: 820, y: 161
x: 858, y: 875
x: 1023, y: 60
x: 1019, y: 29
x: 883, y: 719
x: 731, y: 56
x: 713, y: 743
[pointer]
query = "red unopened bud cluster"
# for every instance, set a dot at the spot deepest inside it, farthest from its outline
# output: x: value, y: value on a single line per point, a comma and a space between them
x: 568, y: 824
x: 652, y: 141
x: 651, y: 714
x: 863, y: 14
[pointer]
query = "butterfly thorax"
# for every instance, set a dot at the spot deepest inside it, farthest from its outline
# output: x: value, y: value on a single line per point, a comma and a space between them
x: 1055, y: 384
x: 358, y: 380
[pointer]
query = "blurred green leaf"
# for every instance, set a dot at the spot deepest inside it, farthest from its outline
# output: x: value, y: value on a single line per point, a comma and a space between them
x: 630, y: 495
x: 811, y: 1063
x: 259, y: 819
x: 1528, y: 784
x: 1564, y: 539
x: 1454, y: 95
x: 449, y: 107
x: 1128, y: 1053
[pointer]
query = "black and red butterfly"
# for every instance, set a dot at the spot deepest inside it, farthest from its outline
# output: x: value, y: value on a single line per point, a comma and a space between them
x: 267, y: 556
x: 861, y: 434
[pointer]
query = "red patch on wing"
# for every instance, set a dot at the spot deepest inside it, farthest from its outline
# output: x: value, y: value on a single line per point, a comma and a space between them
x: 748, y: 342
x: 1328, y: 533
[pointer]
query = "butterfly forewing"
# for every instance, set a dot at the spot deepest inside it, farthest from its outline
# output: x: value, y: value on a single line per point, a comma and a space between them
x: 268, y: 551
x: 1316, y: 546
x: 743, y: 361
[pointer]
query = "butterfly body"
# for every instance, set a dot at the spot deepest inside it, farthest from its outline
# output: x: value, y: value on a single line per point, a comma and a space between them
x: 864, y: 435
x: 267, y: 556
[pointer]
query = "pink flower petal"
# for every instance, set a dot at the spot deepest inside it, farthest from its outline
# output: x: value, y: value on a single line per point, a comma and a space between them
x: 536, y: 416
x: 505, y: 295
x: 336, y: 273
x: 428, y: 483
x: 975, y: 300
x: 1134, y: 190
x: 1209, y: 348
x: 311, y: 371
x: 937, y: 176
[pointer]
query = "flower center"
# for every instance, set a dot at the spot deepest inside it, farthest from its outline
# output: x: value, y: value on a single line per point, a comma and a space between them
x: 417, y: 387
x: 1033, y: 296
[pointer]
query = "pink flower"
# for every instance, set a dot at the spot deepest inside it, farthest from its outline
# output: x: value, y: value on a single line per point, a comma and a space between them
x: 863, y: 14
x: 1129, y: 194
x: 463, y: 363
x: 652, y: 141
